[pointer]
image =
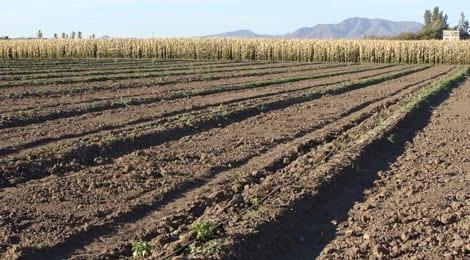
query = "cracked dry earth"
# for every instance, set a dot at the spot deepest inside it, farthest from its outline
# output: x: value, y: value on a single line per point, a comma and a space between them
x: 419, y: 208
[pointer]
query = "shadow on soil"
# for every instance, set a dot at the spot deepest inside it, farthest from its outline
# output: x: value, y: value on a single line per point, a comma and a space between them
x: 79, y: 240
x: 303, y: 233
x: 315, y: 229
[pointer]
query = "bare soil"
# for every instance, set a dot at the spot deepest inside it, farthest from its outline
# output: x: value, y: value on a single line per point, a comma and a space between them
x: 257, y: 163
x: 419, y: 207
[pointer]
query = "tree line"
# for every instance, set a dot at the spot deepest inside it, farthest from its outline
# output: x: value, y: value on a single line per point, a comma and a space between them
x: 435, y: 22
x: 73, y: 35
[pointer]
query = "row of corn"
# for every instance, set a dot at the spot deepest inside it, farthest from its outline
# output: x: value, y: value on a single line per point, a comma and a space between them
x: 379, y: 51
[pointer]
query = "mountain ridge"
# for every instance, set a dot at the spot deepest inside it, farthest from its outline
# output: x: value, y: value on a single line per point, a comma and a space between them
x: 351, y: 28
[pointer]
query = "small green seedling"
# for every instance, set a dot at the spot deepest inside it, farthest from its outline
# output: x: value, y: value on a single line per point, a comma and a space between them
x: 255, y: 203
x: 140, y: 249
x: 126, y: 101
x: 109, y: 139
x: 391, y: 138
x: 203, y: 230
x: 30, y: 155
x: 218, y: 110
x: 185, y: 119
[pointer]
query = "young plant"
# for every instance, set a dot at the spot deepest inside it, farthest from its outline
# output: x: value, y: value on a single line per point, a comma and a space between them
x: 109, y: 139
x: 255, y: 203
x: 126, y: 101
x: 140, y: 249
x: 391, y: 138
x: 203, y: 230
x: 185, y: 119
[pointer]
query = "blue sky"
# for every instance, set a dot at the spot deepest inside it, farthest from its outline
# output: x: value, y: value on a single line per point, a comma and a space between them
x: 144, y: 18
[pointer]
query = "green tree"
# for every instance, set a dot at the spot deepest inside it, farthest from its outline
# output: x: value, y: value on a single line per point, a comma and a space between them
x: 56, y: 36
x: 40, y: 34
x: 463, y: 25
x: 435, y: 13
x: 73, y: 35
x: 406, y: 36
x: 427, y: 18
x: 79, y: 35
x: 434, y: 23
x: 64, y: 35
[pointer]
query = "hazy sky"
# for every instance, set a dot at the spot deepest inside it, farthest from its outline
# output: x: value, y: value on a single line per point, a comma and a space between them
x: 144, y: 18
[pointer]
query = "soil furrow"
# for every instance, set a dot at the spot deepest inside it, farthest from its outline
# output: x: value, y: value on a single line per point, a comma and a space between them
x: 130, y: 85
x: 128, y: 76
x: 100, y: 149
x: 418, y: 204
x: 25, y: 119
x: 24, y: 104
x: 205, y: 159
x: 166, y: 71
x: 372, y: 89
x: 126, y: 117
x: 34, y: 66
x: 278, y: 225
x: 88, y: 71
x: 260, y: 173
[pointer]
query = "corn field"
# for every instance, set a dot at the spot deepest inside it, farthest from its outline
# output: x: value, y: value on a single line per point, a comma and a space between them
x: 375, y: 51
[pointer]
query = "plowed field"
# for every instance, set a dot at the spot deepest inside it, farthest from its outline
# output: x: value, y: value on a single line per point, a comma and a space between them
x: 210, y: 159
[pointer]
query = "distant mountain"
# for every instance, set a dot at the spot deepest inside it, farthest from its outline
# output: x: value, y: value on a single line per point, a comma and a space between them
x: 353, y: 28
x: 239, y: 34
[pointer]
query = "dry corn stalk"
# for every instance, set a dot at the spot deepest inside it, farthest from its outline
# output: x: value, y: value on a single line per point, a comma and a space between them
x: 379, y: 51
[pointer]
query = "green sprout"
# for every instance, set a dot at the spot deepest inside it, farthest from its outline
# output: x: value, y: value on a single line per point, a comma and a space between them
x: 391, y: 138
x: 255, y: 203
x: 140, y: 249
x: 203, y: 230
